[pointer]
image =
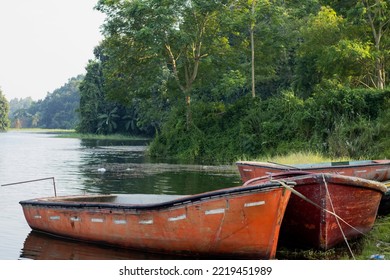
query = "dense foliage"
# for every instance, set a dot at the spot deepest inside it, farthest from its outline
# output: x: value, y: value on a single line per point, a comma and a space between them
x: 222, y: 79
x: 338, y: 123
x: 4, y: 109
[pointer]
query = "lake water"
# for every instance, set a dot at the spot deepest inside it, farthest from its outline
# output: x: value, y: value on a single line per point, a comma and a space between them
x: 75, y: 165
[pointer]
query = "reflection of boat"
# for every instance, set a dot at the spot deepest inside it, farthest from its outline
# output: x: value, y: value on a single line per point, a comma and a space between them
x: 39, y: 246
x: 378, y: 170
x: 241, y: 221
x: 325, y: 208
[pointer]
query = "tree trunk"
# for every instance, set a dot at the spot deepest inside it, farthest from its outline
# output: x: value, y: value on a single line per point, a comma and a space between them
x: 253, y: 48
x: 378, y: 27
x: 380, y: 74
x: 188, y: 114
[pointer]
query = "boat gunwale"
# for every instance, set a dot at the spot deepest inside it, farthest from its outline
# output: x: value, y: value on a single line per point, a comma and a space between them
x: 55, y: 202
x: 332, y: 178
x: 314, y: 166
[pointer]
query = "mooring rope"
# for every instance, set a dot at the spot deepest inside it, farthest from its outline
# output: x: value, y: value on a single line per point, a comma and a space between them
x: 337, y: 220
x: 315, y: 204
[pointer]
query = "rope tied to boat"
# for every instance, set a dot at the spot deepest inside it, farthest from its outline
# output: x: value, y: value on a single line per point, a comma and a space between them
x: 338, y: 218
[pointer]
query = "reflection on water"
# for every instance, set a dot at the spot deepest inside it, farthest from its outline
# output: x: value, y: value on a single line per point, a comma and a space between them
x: 128, y: 170
x: 153, y: 178
x: 39, y: 246
x: 75, y: 164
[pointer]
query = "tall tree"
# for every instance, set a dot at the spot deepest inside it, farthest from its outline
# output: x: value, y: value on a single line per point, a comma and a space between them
x: 4, y: 110
x: 369, y: 23
x: 92, y: 98
x: 153, y: 43
x: 267, y: 32
x: 332, y: 52
x: 377, y: 14
x: 252, y: 31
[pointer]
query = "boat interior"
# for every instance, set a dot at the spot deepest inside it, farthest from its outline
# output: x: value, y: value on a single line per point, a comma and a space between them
x: 118, y: 199
x: 335, y: 163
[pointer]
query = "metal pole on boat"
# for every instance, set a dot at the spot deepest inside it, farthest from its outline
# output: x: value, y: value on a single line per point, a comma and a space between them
x: 54, y: 186
x: 36, y: 180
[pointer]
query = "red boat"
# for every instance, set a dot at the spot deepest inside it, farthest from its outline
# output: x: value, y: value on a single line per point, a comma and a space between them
x: 326, y: 209
x: 242, y: 222
x: 378, y: 170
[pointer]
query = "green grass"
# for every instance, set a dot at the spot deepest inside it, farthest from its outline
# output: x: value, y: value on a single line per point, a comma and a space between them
x: 299, y: 157
x: 377, y: 241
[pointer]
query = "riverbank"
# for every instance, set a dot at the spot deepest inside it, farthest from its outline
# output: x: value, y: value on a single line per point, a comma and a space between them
x: 71, y: 133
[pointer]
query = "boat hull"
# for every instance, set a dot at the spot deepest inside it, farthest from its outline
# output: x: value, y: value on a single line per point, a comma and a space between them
x: 241, y: 223
x: 378, y: 170
x: 328, y: 208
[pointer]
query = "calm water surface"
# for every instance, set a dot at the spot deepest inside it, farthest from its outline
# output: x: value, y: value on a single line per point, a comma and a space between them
x: 75, y: 165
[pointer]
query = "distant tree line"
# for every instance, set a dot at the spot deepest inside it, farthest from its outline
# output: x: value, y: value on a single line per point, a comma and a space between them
x: 57, y: 110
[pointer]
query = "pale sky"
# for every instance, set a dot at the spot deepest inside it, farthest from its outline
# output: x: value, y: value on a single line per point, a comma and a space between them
x: 44, y: 43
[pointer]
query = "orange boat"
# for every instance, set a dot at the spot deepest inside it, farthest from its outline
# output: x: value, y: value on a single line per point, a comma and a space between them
x: 378, y: 170
x: 327, y: 209
x: 242, y: 222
